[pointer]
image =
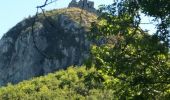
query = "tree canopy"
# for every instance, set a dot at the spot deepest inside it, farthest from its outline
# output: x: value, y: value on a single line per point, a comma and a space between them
x: 138, y: 61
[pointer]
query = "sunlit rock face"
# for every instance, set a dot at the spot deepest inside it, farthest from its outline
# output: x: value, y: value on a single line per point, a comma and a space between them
x: 56, y: 42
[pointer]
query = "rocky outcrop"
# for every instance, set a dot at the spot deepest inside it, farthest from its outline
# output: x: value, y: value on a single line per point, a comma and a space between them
x: 83, y: 4
x: 53, y: 45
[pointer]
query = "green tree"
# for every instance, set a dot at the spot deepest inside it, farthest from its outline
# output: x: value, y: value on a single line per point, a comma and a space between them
x: 137, y: 61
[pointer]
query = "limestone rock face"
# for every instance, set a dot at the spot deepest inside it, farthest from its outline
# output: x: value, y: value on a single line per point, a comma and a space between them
x: 57, y: 41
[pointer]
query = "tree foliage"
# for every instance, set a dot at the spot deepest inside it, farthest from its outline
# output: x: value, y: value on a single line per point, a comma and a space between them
x: 137, y: 60
x: 75, y: 83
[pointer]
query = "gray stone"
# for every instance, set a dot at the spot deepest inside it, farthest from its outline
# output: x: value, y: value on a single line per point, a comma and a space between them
x: 83, y: 4
x: 57, y: 48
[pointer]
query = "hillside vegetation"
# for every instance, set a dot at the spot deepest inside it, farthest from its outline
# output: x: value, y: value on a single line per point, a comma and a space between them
x: 75, y: 83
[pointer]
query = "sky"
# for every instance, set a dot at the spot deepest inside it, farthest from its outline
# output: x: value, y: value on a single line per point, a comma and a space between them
x: 14, y: 11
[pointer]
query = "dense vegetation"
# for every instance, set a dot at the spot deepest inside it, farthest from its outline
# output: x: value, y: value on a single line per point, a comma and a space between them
x: 139, y: 61
x: 128, y: 64
x: 75, y: 83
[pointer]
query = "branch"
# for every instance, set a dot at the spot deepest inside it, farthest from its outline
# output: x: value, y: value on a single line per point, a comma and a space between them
x: 46, y: 3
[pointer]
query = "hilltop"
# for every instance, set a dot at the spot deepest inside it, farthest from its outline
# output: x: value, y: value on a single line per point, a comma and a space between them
x: 55, y: 41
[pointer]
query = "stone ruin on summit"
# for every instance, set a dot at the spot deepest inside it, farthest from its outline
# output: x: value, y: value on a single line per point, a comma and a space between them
x: 83, y: 4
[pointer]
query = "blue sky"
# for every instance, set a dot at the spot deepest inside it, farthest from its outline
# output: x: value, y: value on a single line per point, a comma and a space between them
x: 14, y: 11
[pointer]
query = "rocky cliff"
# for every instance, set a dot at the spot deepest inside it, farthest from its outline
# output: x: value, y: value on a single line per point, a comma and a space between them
x: 56, y: 41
